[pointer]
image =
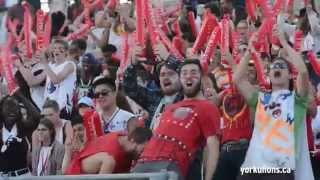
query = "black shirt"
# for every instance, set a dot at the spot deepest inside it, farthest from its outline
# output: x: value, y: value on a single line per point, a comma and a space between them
x: 15, y: 155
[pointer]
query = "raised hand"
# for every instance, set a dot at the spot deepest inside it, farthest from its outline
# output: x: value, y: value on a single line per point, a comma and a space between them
x: 161, y: 50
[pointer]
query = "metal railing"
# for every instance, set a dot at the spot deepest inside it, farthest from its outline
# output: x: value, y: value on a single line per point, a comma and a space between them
x: 134, y: 176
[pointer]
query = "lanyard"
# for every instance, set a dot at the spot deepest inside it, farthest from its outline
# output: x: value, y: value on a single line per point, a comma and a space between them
x: 44, y: 162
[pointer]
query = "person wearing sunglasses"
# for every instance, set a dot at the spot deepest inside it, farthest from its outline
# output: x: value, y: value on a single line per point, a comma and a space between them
x: 104, y: 92
x: 279, y: 136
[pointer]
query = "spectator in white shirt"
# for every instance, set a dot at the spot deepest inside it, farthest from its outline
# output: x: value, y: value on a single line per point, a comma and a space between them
x: 113, y: 118
x: 61, y: 77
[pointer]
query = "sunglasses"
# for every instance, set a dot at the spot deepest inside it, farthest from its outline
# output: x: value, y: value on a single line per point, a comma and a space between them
x: 103, y: 94
x: 279, y: 65
x: 42, y: 129
x: 46, y: 115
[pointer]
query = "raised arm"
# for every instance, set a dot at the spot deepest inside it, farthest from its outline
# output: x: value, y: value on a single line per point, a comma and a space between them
x: 57, y: 78
x: 28, y: 76
x: 139, y: 94
x: 295, y: 58
x: 240, y: 74
x: 313, y: 19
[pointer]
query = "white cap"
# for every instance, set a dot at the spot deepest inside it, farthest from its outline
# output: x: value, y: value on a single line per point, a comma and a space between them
x: 87, y: 101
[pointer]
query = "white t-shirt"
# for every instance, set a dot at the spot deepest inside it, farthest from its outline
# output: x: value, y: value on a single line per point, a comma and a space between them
x: 272, y: 142
x: 117, y: 122
x: 63, y: 91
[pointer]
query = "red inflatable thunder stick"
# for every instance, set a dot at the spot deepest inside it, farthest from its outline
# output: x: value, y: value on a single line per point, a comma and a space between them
x: 86, y: 27
x: 266, y: 8
x: 27, y: 26
x: 314, y: 62
x: 192, y: 22
x: 151, y: 23
x: 12, y: 27
x: 7, y: 66
x: 172, y: 49
x: 298, y: 38
x: 260, y: 72
x: 251, y: 9
x: 235, y: 38
x: 92, y: 124
x: 43, y: 30
x: 140, y: 23
x: 209, y: 24
x: 225, y: 35
x: 212, y: 44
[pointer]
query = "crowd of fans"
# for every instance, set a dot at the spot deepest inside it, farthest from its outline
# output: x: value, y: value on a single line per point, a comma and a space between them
x: 103, y: 103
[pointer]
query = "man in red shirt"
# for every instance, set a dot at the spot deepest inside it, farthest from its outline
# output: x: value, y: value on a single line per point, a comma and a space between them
x: 111, y: 153
x: 236, y: 130
x: 235, y: 124
x: 184, y: 127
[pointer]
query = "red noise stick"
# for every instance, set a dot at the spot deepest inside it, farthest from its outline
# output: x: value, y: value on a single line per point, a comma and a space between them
x: 192, y: 22
x: 225, y: 35
x: 47, y: 30
x: 27, y: 25
x: 178, y: 44
x: 206, y: 29
x: 212, y: 44
x: 266, y: 8
x: 88, y: 7
x: 314, y: 62
x: 262, y: 36
x: 154, y: 36
x: 259, y: 68
x: 279, y: 4
x: 40, y: 30
x: 289, y: 6
x: 12, y: 26
x: 84, y: 30
x: 235, y: 46
x: 125, y: 51
x: 176, y: 28
x: 7, y: 67
x: 251, y: 9
x: 92, y: 124
x: 112, y: 4
x: 140, y: 24
x: 87, y: 19
x: 298, y: 37
x: 169, y: 45
x: 163, y: 20
x: 274, y: 38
